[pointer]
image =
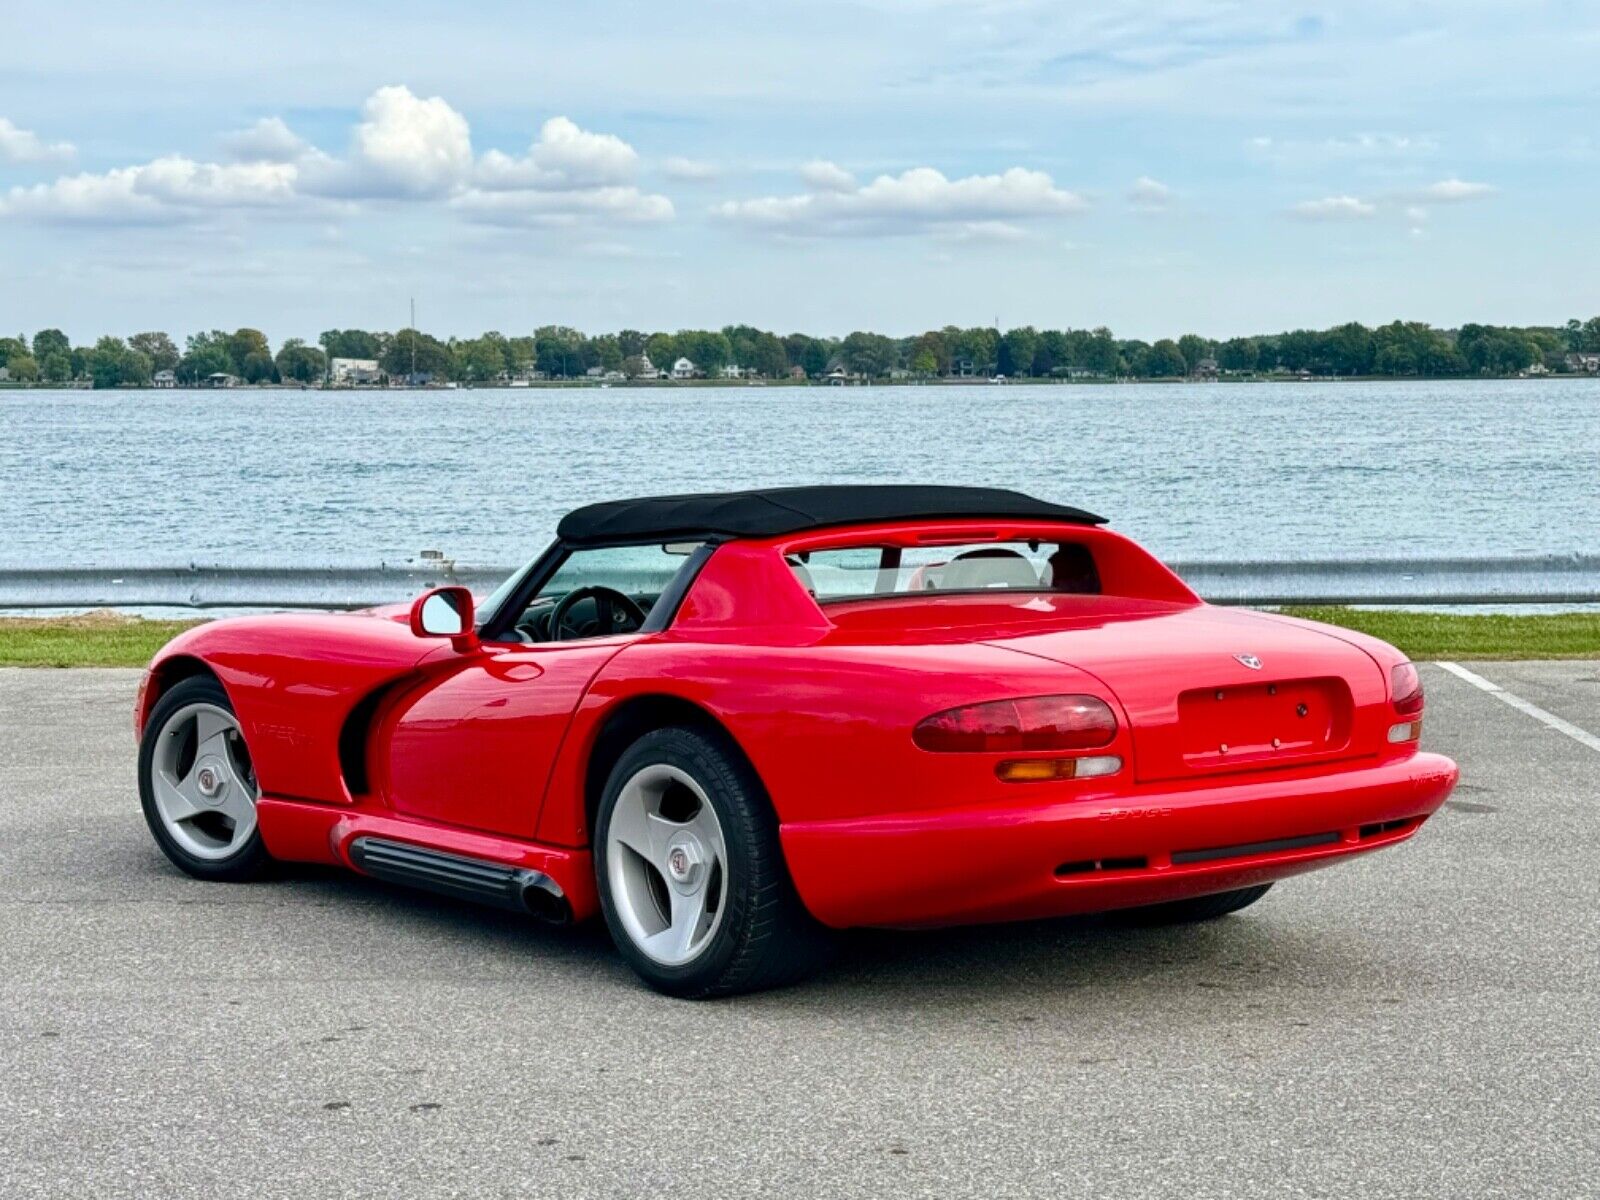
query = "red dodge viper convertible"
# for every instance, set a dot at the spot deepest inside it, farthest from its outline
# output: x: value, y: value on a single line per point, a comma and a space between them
x: 729, y: 723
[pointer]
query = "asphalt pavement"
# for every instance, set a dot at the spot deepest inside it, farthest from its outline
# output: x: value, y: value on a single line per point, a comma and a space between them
x: 1424, y: 1022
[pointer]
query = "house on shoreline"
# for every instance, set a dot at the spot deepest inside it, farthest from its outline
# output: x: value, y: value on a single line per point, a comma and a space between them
x: 354, y: 372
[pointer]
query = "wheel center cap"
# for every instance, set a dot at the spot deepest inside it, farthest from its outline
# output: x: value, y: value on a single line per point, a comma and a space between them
x: 685, y: 860
x: 210, y: 780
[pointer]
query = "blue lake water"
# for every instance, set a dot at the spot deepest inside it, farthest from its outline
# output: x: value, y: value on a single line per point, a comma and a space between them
x: 1194, y: 471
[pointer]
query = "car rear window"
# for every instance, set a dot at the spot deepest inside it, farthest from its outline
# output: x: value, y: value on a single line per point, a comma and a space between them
x: 862, y: 572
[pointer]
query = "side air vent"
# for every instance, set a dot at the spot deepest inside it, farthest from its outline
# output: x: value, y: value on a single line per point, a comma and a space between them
x: 1383, y: 828
x: 519, y: 889
x: 353, y: 740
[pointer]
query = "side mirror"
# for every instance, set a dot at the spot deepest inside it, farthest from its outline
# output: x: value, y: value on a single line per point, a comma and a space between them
x: 445, y: 613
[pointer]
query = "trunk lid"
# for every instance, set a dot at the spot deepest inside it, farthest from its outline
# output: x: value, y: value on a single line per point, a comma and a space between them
x: 1210, y: 690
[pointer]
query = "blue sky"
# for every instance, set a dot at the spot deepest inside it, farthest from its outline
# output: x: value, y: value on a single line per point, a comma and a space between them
x: 1160, y: 167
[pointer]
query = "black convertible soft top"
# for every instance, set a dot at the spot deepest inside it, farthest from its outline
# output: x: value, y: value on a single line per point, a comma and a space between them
x: 772, y: 512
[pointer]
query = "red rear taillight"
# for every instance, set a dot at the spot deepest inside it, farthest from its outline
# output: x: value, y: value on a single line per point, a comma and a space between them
x: 1406, y: 687
x: 1032, y: 723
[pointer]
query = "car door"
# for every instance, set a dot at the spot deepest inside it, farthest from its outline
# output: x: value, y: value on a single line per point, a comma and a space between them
x: 473, y: 743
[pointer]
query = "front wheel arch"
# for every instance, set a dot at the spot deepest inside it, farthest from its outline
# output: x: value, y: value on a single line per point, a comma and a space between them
x: 249, y: 858
x: 168, y: 674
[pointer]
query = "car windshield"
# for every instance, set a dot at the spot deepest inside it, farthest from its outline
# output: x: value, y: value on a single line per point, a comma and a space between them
x: 491, y: 605
x: 638, y: 571
x: 861, y: 572
x: 633, y: 570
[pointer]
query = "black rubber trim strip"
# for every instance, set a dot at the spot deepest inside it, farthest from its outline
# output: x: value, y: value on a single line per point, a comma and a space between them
x: 459, y: 875
x: 1250, y: 848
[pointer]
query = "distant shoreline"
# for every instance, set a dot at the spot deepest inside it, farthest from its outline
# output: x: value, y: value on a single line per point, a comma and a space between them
x: 743, y: 356
x: 11, y: 386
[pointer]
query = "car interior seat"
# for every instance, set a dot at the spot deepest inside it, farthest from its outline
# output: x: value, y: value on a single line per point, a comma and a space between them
x: 991, y: 567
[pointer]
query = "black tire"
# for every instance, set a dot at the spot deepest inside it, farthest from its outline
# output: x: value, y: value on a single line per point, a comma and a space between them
x: 251, y: 860
x: 766, y: 938
x: 1200, y: 908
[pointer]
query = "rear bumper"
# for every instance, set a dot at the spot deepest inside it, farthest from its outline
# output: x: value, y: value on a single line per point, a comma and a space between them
x: 1035, y: 858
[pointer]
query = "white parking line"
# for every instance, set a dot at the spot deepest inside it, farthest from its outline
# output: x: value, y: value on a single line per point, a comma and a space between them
x: 1582, y: 736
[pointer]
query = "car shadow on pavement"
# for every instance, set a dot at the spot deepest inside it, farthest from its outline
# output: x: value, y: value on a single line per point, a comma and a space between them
x: 1110, y: 953
x: 1106, y: 954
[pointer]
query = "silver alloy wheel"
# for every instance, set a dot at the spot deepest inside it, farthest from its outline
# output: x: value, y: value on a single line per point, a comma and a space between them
x: 202, y: 782
x: 667, y: 864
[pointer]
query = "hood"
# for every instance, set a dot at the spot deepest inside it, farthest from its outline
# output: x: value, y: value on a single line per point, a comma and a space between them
x: 391, y: 612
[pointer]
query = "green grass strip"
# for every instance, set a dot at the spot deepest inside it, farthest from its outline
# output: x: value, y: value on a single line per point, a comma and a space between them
x: 113, y: 640
x: 92, y: 640
x: 1424, y: 635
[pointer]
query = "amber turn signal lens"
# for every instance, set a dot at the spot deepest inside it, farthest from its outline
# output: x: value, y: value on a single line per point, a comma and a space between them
x: 1037, y: 770
x: 1406, y: 731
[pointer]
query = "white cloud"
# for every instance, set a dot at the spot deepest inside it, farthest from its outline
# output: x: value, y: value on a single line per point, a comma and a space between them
x: 580, y: 158
x: 406, y: 148
x: 531, y: 207
x: 1334, y: 208
x: 168, y: 190
x: 918, y: 200
x: 1412, y: 205
x: 268, y: 140
x: 1355, y: 146
x: 1451, y: 191
x: 564, y: 156
x: 182, y: 182
x: 821, y: 176
x: 1150, y: 195
x: 88, y: 200
x: 689, y: 170
x: 569, y: 175
x: 24, y: 146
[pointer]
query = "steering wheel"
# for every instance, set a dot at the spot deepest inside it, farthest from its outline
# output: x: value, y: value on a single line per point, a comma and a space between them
x: 610, y: 606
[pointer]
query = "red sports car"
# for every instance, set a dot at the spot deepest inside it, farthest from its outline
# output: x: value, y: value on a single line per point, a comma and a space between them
x: 733, y: 722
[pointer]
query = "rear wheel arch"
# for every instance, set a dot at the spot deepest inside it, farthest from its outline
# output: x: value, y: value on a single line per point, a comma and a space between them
x: 761, y: 934
x: 631, y: 720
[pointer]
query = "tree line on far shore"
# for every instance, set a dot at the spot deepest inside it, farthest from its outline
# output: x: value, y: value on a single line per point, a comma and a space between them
x: 555, y: 352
